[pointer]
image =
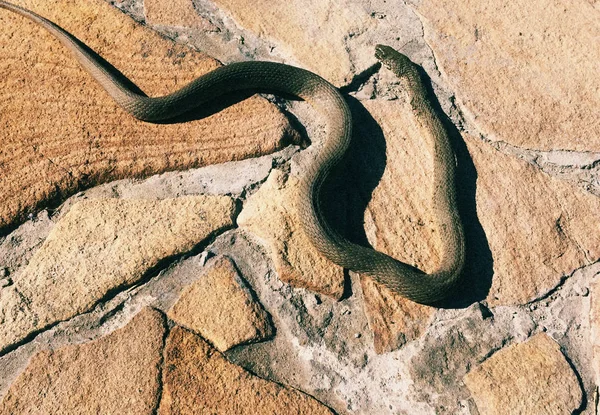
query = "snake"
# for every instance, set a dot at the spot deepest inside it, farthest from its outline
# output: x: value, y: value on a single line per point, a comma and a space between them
x: 261, y: 76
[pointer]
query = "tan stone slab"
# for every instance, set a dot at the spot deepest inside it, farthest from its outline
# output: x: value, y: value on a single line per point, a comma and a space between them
x: 314, y: 31
x: 198, y: 379
x: 393, y: 319
x: 532, y: 377
x: 117, y: 374
x: 595, y: 327
x: 220, y: 307
x: 102, y: 245
x: 61, y: 132
x: 175, y: 13
x: 538, y: 228
x: 525, y: 72
x: 271, y: 214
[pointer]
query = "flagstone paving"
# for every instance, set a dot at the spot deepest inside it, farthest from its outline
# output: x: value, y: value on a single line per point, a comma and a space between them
x: 532, y: 377
x: 119, y: 296
x: 220, y: 307
x: 101, y: 246
x: 74, y: 136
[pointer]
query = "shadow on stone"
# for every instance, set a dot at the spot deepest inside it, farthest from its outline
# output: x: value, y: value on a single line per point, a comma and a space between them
x: 477, y: 275
x: 350, y: 189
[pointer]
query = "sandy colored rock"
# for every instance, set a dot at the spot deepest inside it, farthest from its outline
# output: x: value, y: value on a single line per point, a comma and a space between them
x: 61, y: 132
x: 198, y: 378
x: 595, y: 327
x: 118, y: 373
x: 99, y: 246
x: 393, y: 319
x: 271, y: 214
x: 538, y: 228
x: 447, y: 352
x: 175, y: 13
x: 220, y: 307
x: 524, y: 72
x: 532, y: 377
x: 290, y: 25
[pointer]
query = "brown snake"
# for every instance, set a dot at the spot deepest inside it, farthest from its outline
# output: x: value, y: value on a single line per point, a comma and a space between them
x: 401, y: 278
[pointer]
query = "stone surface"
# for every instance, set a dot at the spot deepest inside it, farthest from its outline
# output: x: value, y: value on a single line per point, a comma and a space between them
x: 175, y: 13
x: 324, y: 346
x: 532, y: 377
x: 399, y: 219
x: 271, y: 214
x: 75, y: 136
x: 233, y: 178
x: 394, y: 320
x: 287, y: 23
x: 197, y: 377
x: 99, y: 246
x: 316, y: 346
x: 19, y: 246
x: 538, y: 228
x: 594, y: 335
x: 220, y: 307
x: 333, y: 39
x: 449, y: 350
x: 525, y: 72
x: 115, y: 374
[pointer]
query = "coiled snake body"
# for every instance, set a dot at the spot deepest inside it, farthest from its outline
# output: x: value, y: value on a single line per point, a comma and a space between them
x: 327, y: 100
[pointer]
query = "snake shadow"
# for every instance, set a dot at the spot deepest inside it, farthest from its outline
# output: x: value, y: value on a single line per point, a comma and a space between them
x: 365, y: 163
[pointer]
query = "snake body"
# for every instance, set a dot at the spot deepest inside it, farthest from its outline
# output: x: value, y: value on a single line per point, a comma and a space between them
x: 399, y: 277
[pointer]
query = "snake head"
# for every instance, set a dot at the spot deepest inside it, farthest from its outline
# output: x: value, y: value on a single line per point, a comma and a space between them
x: 394, y: 60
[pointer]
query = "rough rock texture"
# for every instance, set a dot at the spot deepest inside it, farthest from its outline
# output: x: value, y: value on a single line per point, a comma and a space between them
x: 394, y: 320
x: 333, y: 39
x: 538, y: 228
x: 99, y: 246
x: 220, y: 307
x: 449, y: 350
x: 594, y: 335
x: 328, y: 23
x: 532, y: 377
x: 198, y: 378
x: 75, y: 136
x: 19, y: 246
x: 175, y: 13
x: 271, y: 214
x: 524, y: 72
x: 116, y: 374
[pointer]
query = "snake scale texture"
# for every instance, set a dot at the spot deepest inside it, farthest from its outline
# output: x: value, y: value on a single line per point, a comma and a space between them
x: 399, y: 277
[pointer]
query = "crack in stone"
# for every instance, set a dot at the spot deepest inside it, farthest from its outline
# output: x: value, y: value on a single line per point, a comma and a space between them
x: 161, y: 364
x: 560, y: 284
x: 58, y: 166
